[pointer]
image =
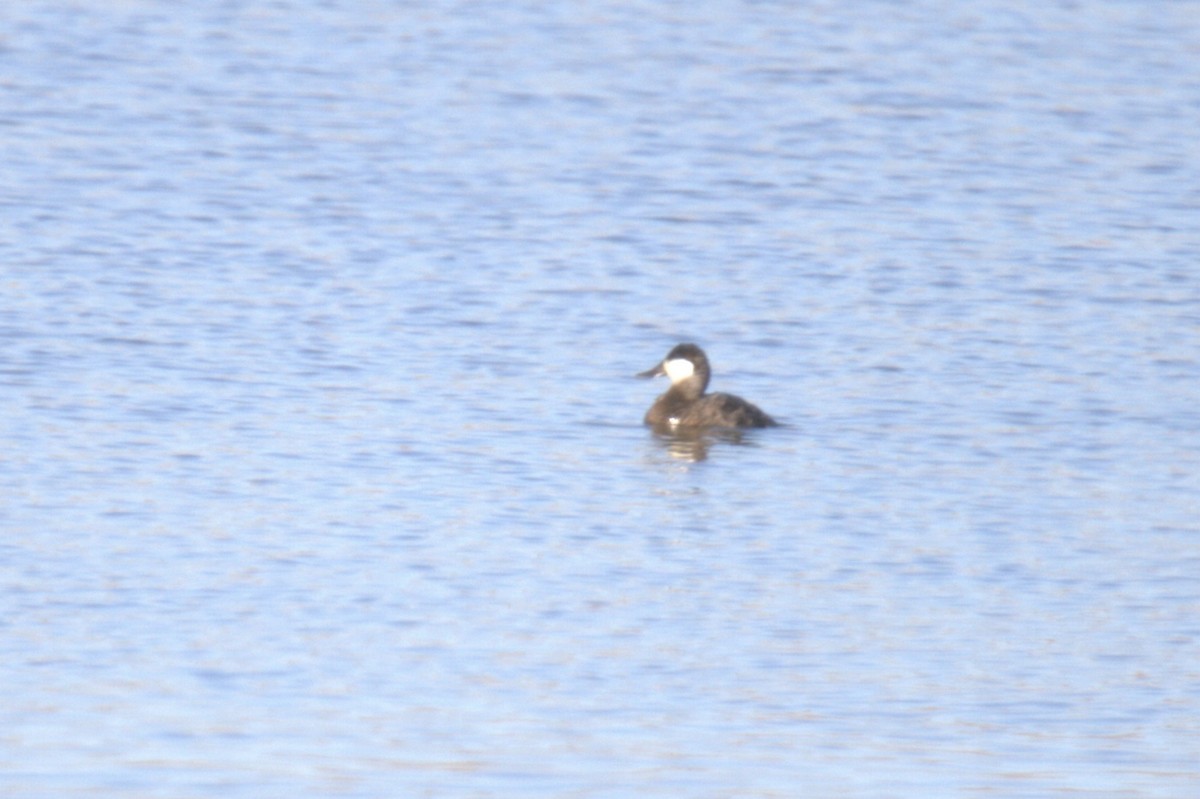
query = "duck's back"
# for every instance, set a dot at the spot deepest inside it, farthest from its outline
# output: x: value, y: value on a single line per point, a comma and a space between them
x: 723, y: 410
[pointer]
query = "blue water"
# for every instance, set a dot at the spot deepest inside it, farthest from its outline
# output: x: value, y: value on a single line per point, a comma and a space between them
x: 324, y: 472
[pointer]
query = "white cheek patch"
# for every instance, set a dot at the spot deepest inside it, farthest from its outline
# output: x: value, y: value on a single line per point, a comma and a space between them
x: 679, y: 369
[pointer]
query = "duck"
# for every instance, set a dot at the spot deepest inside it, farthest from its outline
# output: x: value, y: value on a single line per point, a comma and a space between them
x: 686, y: 406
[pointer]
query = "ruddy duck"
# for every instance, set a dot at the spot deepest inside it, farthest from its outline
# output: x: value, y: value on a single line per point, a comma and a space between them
x: 686, y: 405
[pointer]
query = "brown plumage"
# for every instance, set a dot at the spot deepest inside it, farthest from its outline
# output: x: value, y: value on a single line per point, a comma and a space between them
x: 686, y: 405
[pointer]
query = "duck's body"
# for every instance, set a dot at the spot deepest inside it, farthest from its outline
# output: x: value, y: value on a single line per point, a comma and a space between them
x: 685, y: 405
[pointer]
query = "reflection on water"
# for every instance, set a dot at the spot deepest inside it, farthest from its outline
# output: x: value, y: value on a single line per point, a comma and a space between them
x: 692, y: 444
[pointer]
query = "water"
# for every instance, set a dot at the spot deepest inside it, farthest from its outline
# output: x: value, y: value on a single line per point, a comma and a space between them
x: 324, y: 472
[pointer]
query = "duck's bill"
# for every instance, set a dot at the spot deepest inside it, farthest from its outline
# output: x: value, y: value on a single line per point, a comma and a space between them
x: 656, y: 371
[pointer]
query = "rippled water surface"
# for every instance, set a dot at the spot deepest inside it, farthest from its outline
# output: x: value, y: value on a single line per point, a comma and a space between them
x: 324, y: 472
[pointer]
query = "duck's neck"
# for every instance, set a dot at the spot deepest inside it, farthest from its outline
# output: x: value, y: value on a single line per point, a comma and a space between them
x: 687, y: 390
